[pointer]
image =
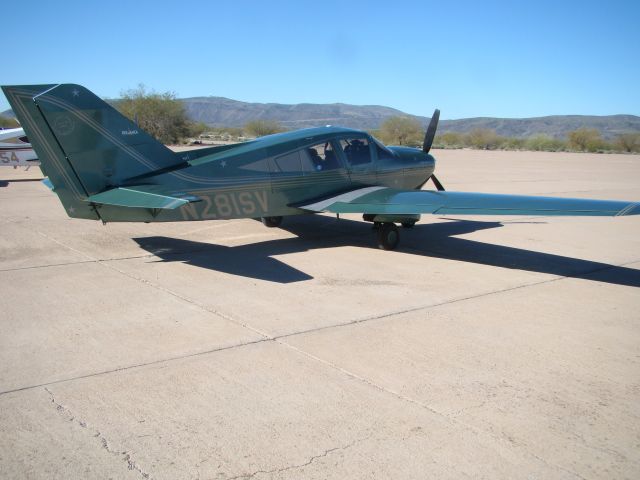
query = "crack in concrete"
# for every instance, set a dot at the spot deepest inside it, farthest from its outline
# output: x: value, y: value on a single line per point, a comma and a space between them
x: 552, y: 465
x: 465, y: 409
x: 614, y: 453
x: 126, y: 456
x: 301, y: 465
x: 453, y: 421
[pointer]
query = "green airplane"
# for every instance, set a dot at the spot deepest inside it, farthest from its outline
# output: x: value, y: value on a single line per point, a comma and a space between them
x: 104, y: 167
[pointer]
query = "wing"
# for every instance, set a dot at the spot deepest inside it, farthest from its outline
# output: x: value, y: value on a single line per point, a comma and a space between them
x: 142, y: 196
x: 382, y: 200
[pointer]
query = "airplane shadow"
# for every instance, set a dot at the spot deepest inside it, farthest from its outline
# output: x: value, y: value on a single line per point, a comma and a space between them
x: 5, y: 183
x: 437, y: 240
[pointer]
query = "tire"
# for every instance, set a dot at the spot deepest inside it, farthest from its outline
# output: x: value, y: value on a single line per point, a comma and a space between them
x: 388, y: 236
x: 408, y: 224
x: 271, y: 222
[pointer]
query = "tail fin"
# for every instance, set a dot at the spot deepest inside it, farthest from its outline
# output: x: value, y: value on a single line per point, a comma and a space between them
x: 85, y: 146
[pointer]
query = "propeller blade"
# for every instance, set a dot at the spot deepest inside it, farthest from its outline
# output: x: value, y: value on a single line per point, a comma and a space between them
x: 431, y: 131
x: 437, y: 183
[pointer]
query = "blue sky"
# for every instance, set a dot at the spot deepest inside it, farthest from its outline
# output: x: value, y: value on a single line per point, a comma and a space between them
x: 468, y: 58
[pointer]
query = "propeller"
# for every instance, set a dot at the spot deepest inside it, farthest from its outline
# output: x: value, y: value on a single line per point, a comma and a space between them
x: 437, y: 183
x: 431, y: 131
x: 428, y: 141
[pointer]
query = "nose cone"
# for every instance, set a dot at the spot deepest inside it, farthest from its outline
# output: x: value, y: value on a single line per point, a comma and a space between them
x: 430, y: 160
x: 417, y: 166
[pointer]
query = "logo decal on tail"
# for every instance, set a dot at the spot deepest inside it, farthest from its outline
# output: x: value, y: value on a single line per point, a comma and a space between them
x: 64, y: 125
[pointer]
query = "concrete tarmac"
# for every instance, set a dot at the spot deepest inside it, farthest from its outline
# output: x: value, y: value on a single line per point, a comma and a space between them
x: 484, y: 347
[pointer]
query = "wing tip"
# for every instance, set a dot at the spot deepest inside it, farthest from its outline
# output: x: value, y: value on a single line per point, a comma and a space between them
x: 631, y: 209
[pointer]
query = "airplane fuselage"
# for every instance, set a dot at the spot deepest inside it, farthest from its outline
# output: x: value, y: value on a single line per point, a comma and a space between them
x: 271, y: 175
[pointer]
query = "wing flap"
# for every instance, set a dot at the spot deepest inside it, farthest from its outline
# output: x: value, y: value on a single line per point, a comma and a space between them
x: 381, y: 200
x: 141, y: 197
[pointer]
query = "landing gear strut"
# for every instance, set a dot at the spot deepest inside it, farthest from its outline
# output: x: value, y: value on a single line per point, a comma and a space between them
x: 271, y: 222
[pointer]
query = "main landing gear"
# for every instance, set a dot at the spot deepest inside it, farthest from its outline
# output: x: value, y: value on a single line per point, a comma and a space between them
x: 271, y: 222
x: 387, y: 232
x: 388, y: 235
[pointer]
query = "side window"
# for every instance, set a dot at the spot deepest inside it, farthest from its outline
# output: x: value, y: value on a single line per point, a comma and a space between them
x: 289, y: 163
x: 356, y: 150
x: 261, y: 166
x: 319, y: 158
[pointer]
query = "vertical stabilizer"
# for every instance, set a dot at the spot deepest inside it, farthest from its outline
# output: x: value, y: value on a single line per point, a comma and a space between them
x: 53, y: 161
x: 84, y: 144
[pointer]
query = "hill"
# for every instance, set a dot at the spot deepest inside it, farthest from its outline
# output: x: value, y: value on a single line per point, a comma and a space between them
x: 220, y: 111
x: 556, y: 126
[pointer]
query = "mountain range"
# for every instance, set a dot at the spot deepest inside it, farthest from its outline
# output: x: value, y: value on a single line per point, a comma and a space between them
x: 225, y: 112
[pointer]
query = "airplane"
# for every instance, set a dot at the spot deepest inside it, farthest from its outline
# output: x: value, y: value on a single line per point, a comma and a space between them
x: 104, y: 167
x: 15, y: 149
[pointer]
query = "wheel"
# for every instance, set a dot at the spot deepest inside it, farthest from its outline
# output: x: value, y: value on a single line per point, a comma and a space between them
x: 388, y: 236
x: 408, y: 224
x: 271, y: 221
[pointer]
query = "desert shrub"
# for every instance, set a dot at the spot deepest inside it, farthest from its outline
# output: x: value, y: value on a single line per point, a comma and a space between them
x: 544, y: 143
x: 483, y: 139
x: 627, y: 142
x: 585, y: 140
x: 6, y: 122
x: 259, y: 128
x: 512, y: 143
x: 449, y: 140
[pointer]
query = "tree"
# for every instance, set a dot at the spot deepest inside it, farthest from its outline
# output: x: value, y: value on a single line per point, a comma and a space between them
x: 6, y: 122
x: 160, y: 114
x: 585, y: 140
x: 259, y: 128
x: 401, y: 131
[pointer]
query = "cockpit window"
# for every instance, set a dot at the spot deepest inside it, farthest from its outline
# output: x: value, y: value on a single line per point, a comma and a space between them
x: 320, y: 158
x: 23, y: 139
x: 356, y: 150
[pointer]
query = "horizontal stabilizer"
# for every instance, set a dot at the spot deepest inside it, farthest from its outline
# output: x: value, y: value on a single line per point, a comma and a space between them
x: 381, y: 200
x: 141, y: 197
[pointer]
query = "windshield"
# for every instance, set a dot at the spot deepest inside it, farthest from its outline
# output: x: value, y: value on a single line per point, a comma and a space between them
x: 383, y: 152
x: 381, y: 145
